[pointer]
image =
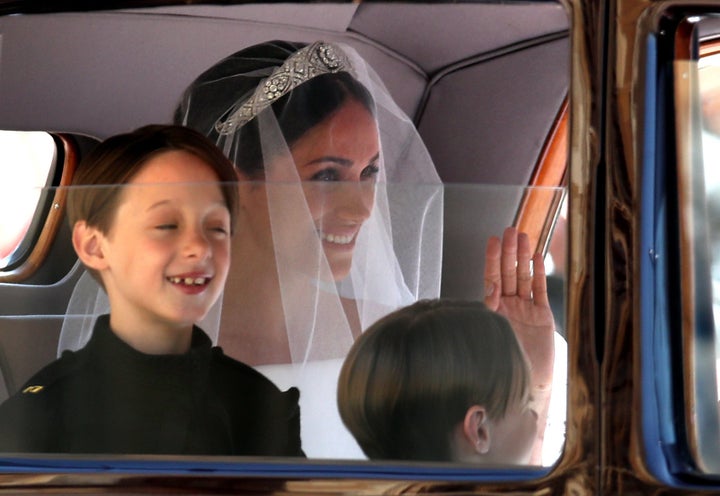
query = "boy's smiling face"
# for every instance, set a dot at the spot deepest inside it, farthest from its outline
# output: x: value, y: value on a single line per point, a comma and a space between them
x: 167, y: 253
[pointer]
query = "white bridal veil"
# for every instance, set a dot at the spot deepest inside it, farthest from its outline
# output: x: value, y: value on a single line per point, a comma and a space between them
x: 397, y: 255
x: 246, y: 103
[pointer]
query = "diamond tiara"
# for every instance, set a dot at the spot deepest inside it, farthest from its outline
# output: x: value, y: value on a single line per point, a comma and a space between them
x: 313, y: 60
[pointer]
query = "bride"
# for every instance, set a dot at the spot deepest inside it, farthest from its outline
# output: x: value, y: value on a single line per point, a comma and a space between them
x: 341, y: 207
x: 340, y: 222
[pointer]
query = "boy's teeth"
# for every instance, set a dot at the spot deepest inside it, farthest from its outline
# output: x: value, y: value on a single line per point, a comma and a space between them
x: 188, y: 281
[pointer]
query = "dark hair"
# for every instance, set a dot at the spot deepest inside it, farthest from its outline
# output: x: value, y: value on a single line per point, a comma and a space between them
x: 215, y: 93
x: 119, y: 158
x: 411, y: 377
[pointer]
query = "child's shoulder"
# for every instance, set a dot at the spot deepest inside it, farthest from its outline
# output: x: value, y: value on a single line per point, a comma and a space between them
x: 237, y: 369
x: 52, y: 374
x: 28, y: 418
x: 227, y: 370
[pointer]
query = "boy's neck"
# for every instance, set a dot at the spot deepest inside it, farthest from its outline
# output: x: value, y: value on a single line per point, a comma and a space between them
x: 152, y: 339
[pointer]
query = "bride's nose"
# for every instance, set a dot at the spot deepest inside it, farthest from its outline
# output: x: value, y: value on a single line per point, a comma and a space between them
x: 354, y: 200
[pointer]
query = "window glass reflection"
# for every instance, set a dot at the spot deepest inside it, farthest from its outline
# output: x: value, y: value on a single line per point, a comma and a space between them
x: 323, y: 434
x: 709, y: 85
x: 702, y: 199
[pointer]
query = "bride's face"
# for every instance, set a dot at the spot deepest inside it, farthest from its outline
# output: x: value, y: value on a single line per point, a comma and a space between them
x: 337, y: 161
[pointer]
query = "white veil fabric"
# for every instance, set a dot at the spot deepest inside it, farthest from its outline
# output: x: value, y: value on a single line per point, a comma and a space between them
x: 246, y: 103
x: 397, y: 254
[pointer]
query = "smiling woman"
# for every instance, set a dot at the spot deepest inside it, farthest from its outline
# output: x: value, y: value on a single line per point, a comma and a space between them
x: 316, y: 130
x: 334, y: 231
x: 343, y: 149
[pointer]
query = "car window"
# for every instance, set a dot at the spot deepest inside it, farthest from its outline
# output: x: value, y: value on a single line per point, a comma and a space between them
x: 690, y: 317
x: 324, y: 437
x: 707, y: 215
x: 27, y: 165
x: 488, y: 173
x: 709, y: 87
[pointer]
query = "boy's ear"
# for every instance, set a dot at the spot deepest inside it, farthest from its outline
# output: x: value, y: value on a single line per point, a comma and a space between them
x: 476, y: 429
x: 87, y: 241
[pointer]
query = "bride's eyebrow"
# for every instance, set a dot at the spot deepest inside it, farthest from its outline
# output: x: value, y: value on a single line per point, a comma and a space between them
x: 339, y: 160
x: 330, y: 158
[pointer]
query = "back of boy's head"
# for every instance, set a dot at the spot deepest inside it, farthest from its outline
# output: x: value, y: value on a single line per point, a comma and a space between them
x: 411, y: 377
x: 95, y: 192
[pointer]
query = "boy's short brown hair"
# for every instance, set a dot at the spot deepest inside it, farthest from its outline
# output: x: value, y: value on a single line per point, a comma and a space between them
x: 115, y: 161
x: 410, y: 378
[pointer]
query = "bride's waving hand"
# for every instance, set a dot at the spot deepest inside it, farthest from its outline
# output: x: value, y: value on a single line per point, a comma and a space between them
x: 517, y: 289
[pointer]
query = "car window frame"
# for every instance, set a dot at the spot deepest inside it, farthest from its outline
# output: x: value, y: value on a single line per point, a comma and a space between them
x: 48, y: 217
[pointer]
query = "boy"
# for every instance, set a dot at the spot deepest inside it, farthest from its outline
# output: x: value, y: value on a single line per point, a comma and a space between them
x: 439, y: 380
x: 149, y: 380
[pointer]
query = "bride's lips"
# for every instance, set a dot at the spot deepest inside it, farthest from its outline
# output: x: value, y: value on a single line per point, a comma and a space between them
x: 342, y: 241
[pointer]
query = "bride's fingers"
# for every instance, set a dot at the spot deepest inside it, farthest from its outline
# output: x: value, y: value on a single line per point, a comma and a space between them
x: 539, y: 281
x: 492, y: 273
x: 524, y: 277
x: 508, y: 262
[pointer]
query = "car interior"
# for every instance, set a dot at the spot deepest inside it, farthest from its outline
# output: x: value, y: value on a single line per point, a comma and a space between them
x: 485, y: 83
